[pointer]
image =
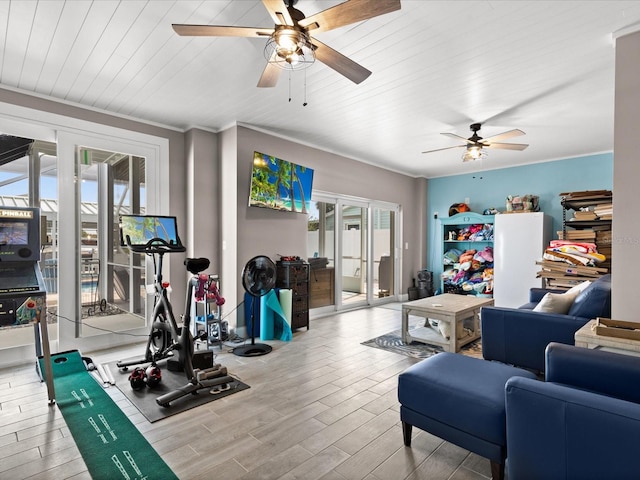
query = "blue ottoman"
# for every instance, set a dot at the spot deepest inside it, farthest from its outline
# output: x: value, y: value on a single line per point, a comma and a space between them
x: 461, y: 400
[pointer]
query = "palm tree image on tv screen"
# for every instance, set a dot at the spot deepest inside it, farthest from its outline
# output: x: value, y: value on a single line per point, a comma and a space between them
x: 279, y: 184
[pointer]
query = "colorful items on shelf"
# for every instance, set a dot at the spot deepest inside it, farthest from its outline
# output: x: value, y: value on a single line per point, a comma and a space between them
x: 567, y: 263
x: 473, y: 233
x: 473, y: 270
x: 573, y: 253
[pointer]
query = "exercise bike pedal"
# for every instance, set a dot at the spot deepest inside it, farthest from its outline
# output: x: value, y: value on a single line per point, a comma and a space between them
x: 202, y: 336
x: 174, y: 365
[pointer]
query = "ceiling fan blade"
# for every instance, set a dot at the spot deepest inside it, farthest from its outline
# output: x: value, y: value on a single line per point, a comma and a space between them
x: 458, y: 137
x: 507, y: 146
x: 503, y: 136
x: 270, y: 75
x: 219, y: 31
x: 347, y: 13
x: 341, y: 64
x: 278, y: 11
x: 445, y: 148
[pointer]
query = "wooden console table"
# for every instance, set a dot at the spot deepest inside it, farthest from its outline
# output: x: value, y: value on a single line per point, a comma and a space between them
x: 458, y: 310
x: 321, y: 287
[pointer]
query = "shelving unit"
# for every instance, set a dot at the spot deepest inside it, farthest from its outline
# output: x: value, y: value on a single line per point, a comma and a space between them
x: 294, y: 275
x: 451, y: 229
x: 207, y: 316
x: 586, y: 218
x: 597, y: 230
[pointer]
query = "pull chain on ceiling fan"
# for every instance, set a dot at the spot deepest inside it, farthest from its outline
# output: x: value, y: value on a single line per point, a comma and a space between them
x: 475, y: 144
x: 290, y: 46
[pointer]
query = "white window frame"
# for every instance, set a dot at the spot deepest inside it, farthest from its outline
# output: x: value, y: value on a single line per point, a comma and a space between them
x: 69, y: 133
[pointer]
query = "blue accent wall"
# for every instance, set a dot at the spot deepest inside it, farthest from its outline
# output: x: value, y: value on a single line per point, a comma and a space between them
x: 489, y: 189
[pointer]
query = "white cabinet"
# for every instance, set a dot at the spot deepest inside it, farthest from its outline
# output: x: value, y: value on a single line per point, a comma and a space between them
x: 519, y: 242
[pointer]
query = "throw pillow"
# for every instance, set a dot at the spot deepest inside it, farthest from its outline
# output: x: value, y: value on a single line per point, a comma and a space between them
x: 556, y: 302
x: 578, y: 288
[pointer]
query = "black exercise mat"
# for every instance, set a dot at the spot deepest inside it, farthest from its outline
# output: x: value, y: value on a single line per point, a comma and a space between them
x: 145, y: 399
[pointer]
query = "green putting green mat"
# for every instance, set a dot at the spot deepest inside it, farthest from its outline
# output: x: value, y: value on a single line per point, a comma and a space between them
x: 111, y: 446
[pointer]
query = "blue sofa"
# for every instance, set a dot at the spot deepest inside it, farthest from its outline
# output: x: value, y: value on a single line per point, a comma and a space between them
x: 519, y: 336
x: 582, y: 422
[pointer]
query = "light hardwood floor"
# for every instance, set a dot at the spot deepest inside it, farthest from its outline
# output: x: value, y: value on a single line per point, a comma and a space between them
x: 320, y: 407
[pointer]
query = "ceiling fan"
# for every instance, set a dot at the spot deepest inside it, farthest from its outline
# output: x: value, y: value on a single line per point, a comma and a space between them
x: 290, y: 45
x: 475, y: 143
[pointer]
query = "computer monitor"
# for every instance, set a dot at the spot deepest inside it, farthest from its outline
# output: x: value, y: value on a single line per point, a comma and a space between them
x: 19, y: 234
x: 138, y: 230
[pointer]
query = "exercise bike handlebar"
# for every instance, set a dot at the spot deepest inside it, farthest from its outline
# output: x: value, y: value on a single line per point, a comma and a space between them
x: 156, y: 245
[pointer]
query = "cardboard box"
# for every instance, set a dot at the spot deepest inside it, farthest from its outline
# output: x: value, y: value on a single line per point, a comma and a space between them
x: 617, y: 328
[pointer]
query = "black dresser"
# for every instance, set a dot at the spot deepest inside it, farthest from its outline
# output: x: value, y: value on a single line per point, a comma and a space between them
x: 294, y: 275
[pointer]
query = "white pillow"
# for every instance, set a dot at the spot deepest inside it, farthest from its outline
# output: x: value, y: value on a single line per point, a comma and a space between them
x: 578, y: 288
x: 560, y: 302
x: 557, y: 302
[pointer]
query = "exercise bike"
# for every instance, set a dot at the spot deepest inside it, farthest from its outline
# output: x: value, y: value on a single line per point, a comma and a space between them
x: 166, y: 338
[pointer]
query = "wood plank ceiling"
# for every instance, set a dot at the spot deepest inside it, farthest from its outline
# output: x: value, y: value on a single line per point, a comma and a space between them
x: 545, y: 67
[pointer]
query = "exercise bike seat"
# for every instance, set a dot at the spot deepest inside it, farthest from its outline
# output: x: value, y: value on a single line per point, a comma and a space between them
x: 196, y: 265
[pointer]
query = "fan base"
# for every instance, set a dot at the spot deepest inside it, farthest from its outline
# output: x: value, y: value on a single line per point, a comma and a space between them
x: 252, y: 350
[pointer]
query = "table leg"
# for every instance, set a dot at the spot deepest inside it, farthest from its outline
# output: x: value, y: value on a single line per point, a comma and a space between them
x: 405, y: 325
x: 477, y: 324
x: 453, y: 336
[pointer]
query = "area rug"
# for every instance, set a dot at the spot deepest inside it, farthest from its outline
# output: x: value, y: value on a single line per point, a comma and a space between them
x: 145, y: 399
x: 111, y: 446
x: 392, y: 342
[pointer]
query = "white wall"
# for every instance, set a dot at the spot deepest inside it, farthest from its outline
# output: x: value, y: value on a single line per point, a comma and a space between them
x: 229, y: 273
x: 267, y: 232
x: 626, y: 172
x: 202, y: 223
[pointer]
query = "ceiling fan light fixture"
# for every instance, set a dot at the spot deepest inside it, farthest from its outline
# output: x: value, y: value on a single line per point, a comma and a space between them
x: 472, y: 153
x: 287, y: 39
x: 289, y: 49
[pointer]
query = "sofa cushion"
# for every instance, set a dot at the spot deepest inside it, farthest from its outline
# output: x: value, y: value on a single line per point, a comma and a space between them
x: 528, y: 306
x: 594, y: 301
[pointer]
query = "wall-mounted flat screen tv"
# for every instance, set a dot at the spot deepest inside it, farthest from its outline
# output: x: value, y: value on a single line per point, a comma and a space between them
x: 279, y: 184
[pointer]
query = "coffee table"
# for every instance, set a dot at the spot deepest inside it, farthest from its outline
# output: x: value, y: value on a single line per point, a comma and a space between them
x: 458, y: 310
x: 588, y: 338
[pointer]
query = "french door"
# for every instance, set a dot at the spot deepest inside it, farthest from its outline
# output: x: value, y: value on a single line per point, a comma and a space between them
x: 90, y: 303
x: 101, y: 285
x: 358, y: 239
x: 111, y: 277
